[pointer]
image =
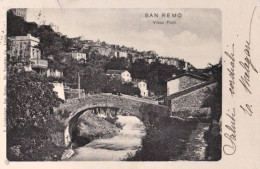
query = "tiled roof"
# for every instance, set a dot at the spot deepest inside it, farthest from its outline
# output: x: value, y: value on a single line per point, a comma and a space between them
x: 187, y: 74
x: 115, y: 71
x: 191, y: 89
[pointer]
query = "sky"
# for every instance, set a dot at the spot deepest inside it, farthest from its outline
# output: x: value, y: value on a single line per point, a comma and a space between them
x: 196, y: 36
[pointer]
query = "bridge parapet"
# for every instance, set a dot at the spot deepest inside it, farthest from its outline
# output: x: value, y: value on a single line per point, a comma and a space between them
x: 72, y: 107
x: 70, y: 111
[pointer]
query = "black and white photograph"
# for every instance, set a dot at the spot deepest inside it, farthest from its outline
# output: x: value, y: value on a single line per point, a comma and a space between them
x: 113, y: 84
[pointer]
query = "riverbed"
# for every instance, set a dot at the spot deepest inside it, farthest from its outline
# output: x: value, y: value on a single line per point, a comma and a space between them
x: 116, y: 148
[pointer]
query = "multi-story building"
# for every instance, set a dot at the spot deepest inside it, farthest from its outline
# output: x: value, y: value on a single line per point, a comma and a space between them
x: 79, y: 56
x: 102, y: 50
x: 22, y: 12
x: 142, y: 85
x: 120, y: 54
x: 150, y: 60
x: 54, y: 73
x: 124, y: 75
x: 182, y: 82
x: 169, y: 61
x: 25, y: 48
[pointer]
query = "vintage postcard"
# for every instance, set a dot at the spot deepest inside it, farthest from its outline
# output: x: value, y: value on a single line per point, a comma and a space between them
x: 105, y: 85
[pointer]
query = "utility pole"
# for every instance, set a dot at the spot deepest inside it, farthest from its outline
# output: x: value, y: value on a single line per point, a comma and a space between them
x: 79, y: 84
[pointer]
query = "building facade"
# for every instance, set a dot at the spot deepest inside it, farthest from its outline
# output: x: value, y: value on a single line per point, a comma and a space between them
x: 124, y: 75
x: 191, y: 100
x: 182, y: 82
x: 120, y: 54
x: 54, y: 73
x: 21, y: 12
x: 25, y: 48
x: 142, y: 85
x: 102, y: 50
x: 57, y: 82
x: 79, y: 56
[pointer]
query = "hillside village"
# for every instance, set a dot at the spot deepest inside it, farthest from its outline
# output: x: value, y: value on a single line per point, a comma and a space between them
x: 76, y: 68
x: 144, y: 67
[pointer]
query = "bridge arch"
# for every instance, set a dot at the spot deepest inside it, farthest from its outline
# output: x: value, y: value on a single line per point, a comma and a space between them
x: 124, y: 105
x: 68, y: 133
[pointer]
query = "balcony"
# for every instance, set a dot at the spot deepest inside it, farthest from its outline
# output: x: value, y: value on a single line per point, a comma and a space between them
x: 39, y: 63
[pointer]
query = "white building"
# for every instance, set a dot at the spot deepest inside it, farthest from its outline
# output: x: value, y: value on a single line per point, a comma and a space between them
x: 120, y: 54
x: 59, y: 88
x: 54, y: 73
x: 58, y: 84
x: 124, y: 75
x: 79, y: 56
x: 26, y: 47
x: 142, y: 85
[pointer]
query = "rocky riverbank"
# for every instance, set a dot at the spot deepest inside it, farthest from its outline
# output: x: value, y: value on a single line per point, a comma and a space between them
x: 196, y: 144
x: 90, y: 126
x: 203, y: 144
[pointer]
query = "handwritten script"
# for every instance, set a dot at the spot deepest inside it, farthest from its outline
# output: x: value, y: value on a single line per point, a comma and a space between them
x: 246, y: 65
x: 229, y: 148
x: 231, y: 70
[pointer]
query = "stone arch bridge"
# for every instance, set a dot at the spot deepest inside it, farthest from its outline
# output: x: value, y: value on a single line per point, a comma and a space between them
x: 69, y: 112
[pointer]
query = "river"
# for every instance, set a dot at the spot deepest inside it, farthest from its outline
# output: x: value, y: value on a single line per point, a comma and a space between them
x: 126, y: 142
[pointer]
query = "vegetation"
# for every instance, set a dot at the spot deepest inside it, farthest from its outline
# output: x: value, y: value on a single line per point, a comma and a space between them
x: 214, y: 100
x: 30, y: 118
x: 56, y: 47
x: 164, y: 136
x: 117, y: 64
x: 30, y: 98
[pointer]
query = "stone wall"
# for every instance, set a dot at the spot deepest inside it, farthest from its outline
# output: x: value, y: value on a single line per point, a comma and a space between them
x: 191, y: 101
x: 127, y: 106
x: 187, y: 82
x: 69, y: 112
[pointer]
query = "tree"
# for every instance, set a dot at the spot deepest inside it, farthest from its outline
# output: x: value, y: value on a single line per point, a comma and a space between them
x: 30, y: 101
x: 93, y: 79
x: 15, y: 25
x: 118, y: 64
x: 94, y: 59
x: 113, y: 85
x: 51, y: 43
x: 66, y: 43
x: 129, y: 89
x: 140, y: 69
